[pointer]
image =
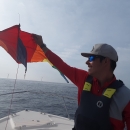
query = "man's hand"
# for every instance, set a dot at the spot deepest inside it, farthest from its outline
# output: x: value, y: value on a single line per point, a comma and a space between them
x: 38, y: 40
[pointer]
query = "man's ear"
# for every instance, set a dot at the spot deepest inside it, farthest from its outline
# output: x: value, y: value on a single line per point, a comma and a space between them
x: 107, y: 61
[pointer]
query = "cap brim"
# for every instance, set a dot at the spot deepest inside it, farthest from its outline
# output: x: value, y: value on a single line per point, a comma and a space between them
x: 87, y: 54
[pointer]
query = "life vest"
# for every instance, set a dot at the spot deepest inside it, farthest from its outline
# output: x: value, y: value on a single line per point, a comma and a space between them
x: 93, y: 110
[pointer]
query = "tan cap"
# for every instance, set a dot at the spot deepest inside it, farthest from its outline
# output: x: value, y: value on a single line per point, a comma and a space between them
x: 103, y: 50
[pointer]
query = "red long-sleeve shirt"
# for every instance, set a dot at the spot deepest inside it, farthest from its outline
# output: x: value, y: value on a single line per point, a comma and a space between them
x: 78, y: 77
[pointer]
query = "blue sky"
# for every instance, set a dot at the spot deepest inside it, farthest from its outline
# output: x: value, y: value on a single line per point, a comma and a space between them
x: 68, y: 27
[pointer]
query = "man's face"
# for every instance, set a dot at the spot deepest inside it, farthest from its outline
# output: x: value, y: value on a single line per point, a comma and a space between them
x: 95, y: 66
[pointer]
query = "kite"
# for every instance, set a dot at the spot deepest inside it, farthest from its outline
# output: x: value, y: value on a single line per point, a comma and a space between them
x: 22, y: 47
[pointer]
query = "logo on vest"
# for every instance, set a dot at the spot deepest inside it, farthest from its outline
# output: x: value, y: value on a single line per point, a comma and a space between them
x: 99, y: 104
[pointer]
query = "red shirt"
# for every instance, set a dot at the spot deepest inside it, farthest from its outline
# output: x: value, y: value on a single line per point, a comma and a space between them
x: 78, y: 77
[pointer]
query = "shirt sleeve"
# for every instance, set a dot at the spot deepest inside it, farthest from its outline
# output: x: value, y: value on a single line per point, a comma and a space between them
x: 77, y: 76
x: 126, y: 115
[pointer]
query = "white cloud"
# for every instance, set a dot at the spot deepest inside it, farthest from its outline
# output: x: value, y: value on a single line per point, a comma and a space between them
x: 123, y: 64
x: 69, y: 52
x: 124, y: 54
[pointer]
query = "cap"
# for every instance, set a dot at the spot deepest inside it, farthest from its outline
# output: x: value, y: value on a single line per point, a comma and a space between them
x: 103, y: 50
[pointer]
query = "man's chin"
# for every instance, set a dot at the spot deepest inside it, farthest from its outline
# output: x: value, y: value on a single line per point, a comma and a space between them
x: 89, y: 72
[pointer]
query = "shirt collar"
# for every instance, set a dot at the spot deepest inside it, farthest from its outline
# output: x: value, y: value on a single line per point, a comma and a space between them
x: 106, y: 84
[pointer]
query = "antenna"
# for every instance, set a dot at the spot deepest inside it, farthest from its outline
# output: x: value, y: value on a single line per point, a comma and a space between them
x: 19, y: 18
x: 7, y: 76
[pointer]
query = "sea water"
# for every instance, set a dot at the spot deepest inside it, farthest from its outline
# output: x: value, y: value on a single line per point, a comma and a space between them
x: 54, y: 98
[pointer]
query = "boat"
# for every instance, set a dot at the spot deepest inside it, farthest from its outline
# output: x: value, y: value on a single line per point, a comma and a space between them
x: 32, y: 120
x: 35, y: 120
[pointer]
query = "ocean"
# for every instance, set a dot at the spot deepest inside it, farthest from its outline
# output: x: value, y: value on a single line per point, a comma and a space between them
x: 47, y: 97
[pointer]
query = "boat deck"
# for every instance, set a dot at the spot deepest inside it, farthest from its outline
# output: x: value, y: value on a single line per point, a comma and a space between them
x: 31, y: 120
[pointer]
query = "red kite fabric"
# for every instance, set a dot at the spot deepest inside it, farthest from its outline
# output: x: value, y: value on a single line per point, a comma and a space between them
x: 21, y: 46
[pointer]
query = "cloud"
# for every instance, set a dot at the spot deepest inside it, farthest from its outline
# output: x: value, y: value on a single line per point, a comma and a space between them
x: 124, y: 54
x: 69, y: 52
x: 69, y: 28
x: 123, y: 64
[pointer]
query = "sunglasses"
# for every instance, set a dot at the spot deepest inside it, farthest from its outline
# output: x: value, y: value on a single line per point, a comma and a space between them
x: 92, y: 58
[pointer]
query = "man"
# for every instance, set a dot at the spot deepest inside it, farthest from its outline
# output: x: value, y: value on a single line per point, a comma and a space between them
x: 104, y: 102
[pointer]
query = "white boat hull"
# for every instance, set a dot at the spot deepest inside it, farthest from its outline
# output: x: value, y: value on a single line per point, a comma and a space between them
x: 31, y: 120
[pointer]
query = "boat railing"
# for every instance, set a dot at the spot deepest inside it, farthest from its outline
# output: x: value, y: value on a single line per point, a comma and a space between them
x: 50, y: 93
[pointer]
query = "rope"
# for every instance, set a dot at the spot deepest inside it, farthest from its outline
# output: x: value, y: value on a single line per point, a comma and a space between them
x: 12, y: 98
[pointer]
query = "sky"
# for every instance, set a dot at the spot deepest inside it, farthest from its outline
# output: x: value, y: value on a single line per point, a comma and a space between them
x: 68, y: 27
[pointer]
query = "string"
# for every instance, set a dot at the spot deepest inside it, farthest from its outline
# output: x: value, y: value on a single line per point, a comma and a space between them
x: 12, y: 98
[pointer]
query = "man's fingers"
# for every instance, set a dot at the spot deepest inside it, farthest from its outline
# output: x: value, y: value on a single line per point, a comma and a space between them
x: 37, y: 39
x: 35, y: 36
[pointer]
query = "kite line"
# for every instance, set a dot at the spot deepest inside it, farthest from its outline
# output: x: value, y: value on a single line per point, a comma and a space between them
x: 12, y: 98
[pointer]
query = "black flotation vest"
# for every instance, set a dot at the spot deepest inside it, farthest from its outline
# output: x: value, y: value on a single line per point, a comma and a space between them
x: 93, y: 111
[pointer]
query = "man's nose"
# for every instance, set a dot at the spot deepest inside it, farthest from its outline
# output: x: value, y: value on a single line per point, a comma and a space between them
x: 87, y: 62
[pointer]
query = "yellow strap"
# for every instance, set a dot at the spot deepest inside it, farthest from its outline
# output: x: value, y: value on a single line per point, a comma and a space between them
x: 109, y: 92
x: 87, y: 86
